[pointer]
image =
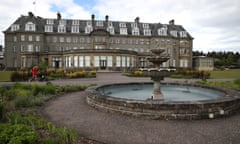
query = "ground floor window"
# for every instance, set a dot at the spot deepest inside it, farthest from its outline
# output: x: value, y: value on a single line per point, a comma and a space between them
x: 87, y: 61
x: 109, y: 61
x: 183, y: 63
x: 81, y: 60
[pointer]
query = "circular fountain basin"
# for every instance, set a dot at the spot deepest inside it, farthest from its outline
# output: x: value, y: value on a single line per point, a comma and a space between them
x: 180, y: 101
x: 170, y: 92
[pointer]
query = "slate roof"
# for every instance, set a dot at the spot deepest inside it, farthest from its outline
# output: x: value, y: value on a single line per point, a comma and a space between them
x: 41, y: 22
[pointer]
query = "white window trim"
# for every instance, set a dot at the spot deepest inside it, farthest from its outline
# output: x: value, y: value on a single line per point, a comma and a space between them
x: 48, y: 28
x: 29, y: 26
x: 61, y: 28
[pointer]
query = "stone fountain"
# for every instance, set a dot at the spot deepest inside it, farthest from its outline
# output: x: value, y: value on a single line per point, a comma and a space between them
x: 157, y: 74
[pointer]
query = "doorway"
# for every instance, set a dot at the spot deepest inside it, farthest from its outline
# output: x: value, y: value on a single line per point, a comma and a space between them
x: 103, y: 64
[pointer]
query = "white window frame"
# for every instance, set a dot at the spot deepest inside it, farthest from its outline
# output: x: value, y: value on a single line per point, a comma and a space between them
x: 134, y: 25
x: 184, y: 63
x: 37, y: 48
x: 61, y: 28
x: 147, y: 32
x: 75, y: 29
x: 75, y: 22
x: 62, y: 22
x: 162, y: 32
x: 145, y: 26
x: 22, y: 37
x: 183, y: 34
x: 30, y: 38
x: 135, y: 31
x: 96, y: 61
x: 174, y: 33
x: 111, y: 30
x: 75, y: 61
x: 99, y: 23
x: 29, y: 26
x: 30, y: 48
x: 122, y: 25
x: 87, y: 61
x: 15, y: 27
x: 118, y: 61
x: 123, y: 31
x: 48, y: 28
x: 81, y: 61
x: 61, y: 39
x: 50, y: 21
x: 37, y: 38
x: 88, y: 29
x: 109, y: 61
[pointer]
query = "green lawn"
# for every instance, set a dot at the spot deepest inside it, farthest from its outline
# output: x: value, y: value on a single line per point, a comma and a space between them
x: 232, y: 73
x: 5, y: 76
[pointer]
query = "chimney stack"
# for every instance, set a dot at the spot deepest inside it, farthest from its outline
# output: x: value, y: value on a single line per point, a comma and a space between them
x: 106, y: 18
x: 137, y: 20
x: 59, y: 16
x: 171, y: 22
x: 30, y: 14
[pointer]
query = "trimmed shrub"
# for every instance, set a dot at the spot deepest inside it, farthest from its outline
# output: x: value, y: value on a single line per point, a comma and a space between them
x: 138, y: 73
x: 19, y: 76
x: 60, y: 71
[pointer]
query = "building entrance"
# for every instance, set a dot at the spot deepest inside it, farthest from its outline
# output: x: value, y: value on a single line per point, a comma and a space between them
x: 103, y: 64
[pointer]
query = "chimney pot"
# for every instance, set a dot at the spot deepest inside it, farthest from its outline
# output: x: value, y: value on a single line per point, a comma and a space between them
x: 59, y: 16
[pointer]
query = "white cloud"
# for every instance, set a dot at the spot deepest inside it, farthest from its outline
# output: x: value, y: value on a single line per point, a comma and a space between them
x: 213, y: 24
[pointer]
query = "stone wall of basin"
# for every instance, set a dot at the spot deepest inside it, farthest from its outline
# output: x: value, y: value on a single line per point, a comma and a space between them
x: 152, y: 109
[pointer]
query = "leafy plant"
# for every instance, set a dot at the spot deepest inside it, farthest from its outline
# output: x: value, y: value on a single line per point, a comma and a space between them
x: 18, y: 134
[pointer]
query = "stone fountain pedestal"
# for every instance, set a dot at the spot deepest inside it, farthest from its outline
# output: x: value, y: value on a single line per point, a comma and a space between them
x: 156, y: 73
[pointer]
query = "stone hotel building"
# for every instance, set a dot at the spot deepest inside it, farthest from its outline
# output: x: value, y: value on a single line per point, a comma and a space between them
x: 93, y: 44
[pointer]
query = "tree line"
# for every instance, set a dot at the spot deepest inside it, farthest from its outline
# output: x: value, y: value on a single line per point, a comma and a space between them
x: 222, y: 59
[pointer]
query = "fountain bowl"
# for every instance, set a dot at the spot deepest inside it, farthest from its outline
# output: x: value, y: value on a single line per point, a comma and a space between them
x: 169, y: 110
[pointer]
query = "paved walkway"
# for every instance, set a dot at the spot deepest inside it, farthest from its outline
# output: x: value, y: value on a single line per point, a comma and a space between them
x: 72, y: 110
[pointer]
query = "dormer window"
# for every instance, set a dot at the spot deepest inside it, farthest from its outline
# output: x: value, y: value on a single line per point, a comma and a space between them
x: 183, y: 34
x: 30, y: 26
x: 110, y: 24
x: 88, y: 29
x: 89, y: 23
x: 48, y: 28
x: 145, y: 26
x: 99, y: 23
x: 147, y: 32
x: 162, y: 31
x: 135, y: 31
x: 75, y: 22
x: 110, y: 30
x: 123, y: 31
x: 122, y: 25
x: 15, y: 27
x: 50, y: 21
x: 62, y: 22
x: 134, y: 25
x: 75, y: 29
x: 173, y: 33
x: 61, y: 29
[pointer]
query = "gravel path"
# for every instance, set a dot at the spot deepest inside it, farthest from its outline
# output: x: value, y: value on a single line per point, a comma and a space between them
x: 72, y: 110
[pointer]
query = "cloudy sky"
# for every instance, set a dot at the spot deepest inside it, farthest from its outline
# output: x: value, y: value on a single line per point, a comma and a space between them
x: 214, y: 24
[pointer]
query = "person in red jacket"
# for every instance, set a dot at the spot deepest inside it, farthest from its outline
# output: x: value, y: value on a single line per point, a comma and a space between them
x: 34, y: 73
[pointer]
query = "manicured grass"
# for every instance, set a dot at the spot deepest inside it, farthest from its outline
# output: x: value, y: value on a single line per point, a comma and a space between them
x: 5, y: 76
x: 232, y: 73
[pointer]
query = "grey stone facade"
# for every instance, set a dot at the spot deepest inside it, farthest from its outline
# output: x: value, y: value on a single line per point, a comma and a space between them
x: 94, y: 44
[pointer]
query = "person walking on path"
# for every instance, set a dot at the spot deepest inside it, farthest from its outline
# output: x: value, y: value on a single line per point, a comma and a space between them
x: 34, y: 73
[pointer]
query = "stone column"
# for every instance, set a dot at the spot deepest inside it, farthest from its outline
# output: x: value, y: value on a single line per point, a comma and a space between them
x: 157, y: 94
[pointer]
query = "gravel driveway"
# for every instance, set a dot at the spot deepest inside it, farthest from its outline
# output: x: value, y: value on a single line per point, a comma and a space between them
x: 72, y: 110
